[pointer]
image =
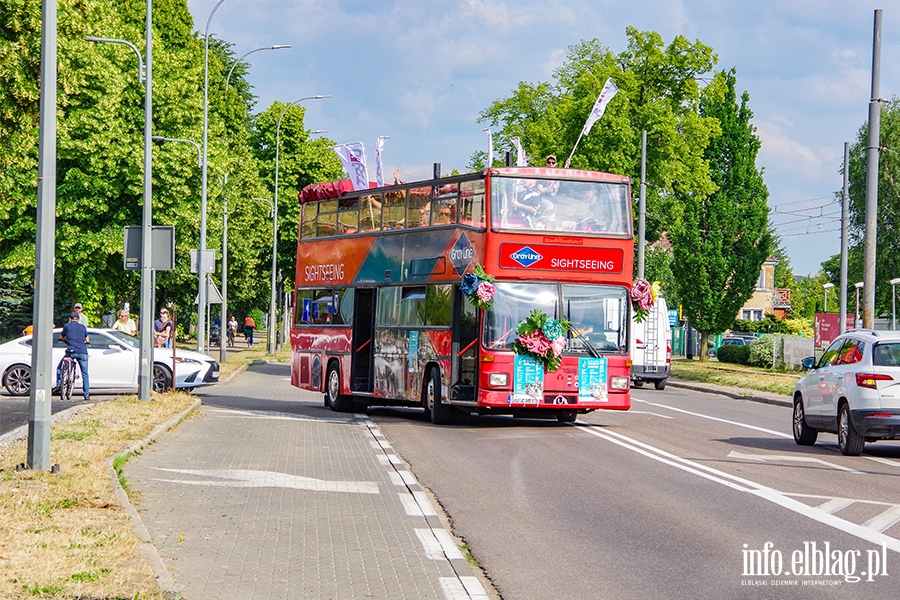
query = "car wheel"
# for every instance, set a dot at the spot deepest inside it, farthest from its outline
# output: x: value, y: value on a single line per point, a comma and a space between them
x: 162, y: 379
x: 17, y: 380
x: 849, y: 440
x: 804, y: 435
x: 438, y: 412
x: 333, y: 397
x: 660, y: 385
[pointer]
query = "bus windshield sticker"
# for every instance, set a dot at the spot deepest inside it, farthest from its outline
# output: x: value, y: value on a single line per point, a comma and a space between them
x: 528, y: 381
x: 592, y: 380
x: 412, y: 352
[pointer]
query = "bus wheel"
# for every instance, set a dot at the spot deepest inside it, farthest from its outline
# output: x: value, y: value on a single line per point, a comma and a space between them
x: 333, y: 397
x: 567, y: 416
x: 437, y: 411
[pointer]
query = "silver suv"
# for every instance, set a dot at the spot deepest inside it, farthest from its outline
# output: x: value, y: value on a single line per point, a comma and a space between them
x: 853, y: 391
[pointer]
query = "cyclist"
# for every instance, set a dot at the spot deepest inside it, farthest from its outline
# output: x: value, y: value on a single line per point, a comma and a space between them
x: 75, y: 335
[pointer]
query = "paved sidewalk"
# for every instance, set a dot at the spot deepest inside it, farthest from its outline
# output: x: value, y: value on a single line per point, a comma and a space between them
x: 265, y: 494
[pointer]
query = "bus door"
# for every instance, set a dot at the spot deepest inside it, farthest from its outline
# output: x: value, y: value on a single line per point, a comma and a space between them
x: 361, y: 366
x: 465, y: 349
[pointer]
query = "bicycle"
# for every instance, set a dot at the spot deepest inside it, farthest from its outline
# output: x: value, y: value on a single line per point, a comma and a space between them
x: 67, y: 375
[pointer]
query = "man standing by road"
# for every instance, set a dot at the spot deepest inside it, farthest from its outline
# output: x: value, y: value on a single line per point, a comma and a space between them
x: 125, y: 324
x: 75, y: 335
x: 82, y: 318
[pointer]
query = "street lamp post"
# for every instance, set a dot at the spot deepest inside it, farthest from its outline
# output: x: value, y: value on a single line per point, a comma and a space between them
x: 201, y: 263
x: 145, y: 74
x: 827, y: 287
x: 858, y: 286
x: 894, y: 283
x: 224, y: 310
x: 271, y: 328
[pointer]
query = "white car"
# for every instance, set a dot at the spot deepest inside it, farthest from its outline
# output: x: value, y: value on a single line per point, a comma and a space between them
x: 853, y: 390
x: 113, y: 359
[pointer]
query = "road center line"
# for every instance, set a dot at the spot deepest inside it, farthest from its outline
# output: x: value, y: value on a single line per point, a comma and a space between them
x: 743, y: 485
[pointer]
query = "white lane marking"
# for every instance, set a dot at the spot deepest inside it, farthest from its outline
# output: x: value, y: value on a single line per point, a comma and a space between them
x: 744, y: 485
x: 258, y: 479
x: 424, y: 504
x: 433, y: 549
x: 885, y: 520
x: 409, y: 505
x: 764, y: 430
x: 447, y: 543
x: 792, y: 458
x: 702, y: 416
x: 647, y: 412
x: 834, y: 505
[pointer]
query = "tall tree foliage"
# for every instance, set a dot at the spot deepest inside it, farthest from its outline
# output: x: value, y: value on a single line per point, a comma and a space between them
x: 887, y: 261
x: 725, y: 236
x: 658, y: 92
x: 100, y: 122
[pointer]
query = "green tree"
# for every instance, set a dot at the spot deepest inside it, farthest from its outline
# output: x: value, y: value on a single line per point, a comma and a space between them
x: 888, y: 238
x: 725, y: 236
x: 658, y: 93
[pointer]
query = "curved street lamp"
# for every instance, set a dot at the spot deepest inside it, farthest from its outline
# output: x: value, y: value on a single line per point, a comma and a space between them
x: 827, y: 287
x: 224, y: 309
x: 271, y: 328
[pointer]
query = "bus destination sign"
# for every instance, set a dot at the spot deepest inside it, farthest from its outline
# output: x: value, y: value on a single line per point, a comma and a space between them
x: 561, y: 258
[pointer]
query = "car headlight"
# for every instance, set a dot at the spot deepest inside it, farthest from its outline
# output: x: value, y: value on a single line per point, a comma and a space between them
x: 619, y: 383
x: 498, y: 379
x: 179, y: 359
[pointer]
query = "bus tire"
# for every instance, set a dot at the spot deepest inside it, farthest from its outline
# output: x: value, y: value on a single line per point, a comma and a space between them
x: 567, y: 416
x: 333, y: 397
x: 435, y: 410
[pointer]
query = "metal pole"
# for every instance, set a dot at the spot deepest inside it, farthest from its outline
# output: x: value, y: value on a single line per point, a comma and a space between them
x: 872, y: 179
x: 223, y: 313
x: 145, y: 369
x: 201, y: 263
x: 42, y: 369
x: 642, y: 206
x: 845, y: 220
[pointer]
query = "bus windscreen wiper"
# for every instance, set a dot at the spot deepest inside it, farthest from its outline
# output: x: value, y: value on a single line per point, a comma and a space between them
x: 593, y: 351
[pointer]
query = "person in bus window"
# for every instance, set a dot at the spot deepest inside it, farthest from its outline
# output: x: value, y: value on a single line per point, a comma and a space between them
x: 546, y: 186
x: 529, y: 202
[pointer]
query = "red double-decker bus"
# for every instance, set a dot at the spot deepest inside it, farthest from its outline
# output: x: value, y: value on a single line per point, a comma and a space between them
x: 381, y: 317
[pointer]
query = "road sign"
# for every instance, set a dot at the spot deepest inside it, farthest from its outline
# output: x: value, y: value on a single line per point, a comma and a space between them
x: 209, y: 261
x: 162, y: 250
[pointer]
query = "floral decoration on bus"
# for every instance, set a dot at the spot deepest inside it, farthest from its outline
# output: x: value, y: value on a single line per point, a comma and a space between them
x: 643, y: 298
x: 543, y: 338
x: 478, y: 287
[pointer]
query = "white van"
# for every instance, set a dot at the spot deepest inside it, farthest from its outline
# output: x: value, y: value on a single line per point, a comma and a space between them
x: 651, y: 347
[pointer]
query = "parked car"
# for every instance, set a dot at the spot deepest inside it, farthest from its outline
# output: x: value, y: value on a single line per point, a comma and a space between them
x: 113, y: 364
x: 853, y: 390
x: 737, y: 340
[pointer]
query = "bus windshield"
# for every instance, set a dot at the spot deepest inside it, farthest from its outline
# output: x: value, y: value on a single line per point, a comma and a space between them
x: 573, y: 207
x: 597, y: 313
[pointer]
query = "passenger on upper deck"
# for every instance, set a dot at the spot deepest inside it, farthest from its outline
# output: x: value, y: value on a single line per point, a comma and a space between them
x: 546, y: 186
x: 529, y: 202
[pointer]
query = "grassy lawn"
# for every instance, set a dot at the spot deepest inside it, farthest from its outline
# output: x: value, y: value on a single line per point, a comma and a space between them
x: 754, y: 378
x: 64, y: 535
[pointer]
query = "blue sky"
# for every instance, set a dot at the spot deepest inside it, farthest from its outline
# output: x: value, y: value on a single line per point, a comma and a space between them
x: 420, y: 71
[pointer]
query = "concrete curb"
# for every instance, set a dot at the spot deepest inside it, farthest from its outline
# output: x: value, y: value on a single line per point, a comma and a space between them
x: 736, y: 393
x: 20, y: 433
x: 163, y: 577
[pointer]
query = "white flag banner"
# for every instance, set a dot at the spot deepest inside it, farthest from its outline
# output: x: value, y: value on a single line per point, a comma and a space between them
x: 520, y: 152
x: 353, y: 157
x: 490, y: 150
x: 609, y: 90
x: 379, y: 146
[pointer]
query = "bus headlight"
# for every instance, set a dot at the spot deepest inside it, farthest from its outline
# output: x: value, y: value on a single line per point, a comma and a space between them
x: 498, y: 379
x: 619, y: 383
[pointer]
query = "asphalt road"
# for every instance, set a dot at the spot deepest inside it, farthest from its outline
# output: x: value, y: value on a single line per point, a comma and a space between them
x: 669, y: 500
x: 14, y: 409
